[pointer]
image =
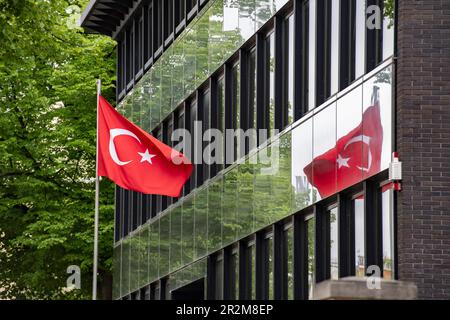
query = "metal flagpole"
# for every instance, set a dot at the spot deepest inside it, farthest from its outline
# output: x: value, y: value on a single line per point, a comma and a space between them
x: 97, y: 192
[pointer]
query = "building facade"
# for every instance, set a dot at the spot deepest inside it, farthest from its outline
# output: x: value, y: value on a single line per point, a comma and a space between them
x: 337, y: 86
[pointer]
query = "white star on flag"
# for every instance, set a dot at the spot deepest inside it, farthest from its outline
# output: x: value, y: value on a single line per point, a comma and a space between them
x: 342, y: 162
x: 146, y: 156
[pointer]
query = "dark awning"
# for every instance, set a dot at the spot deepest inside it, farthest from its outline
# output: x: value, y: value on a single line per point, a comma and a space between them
x: 105, y: 16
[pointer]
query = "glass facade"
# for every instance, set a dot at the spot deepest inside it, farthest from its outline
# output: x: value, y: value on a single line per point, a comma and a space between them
x: 267, y: 185
x: 207, y: 42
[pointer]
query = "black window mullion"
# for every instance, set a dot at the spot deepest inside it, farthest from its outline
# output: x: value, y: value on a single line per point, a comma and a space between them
x: 260, y: 84
x: 228, y: 109
x: 373, y: 225
x: 346, y: 234
x: 260, y: 267
x: 322, y: 243
x: 227, y: 273
x: 245, y: 283
x: 214, y: 117
x: 347, y: 43
x: 300, y: 59
x: 280, y: 260
x: 374, y: 40
x: 323, y: 65
x: 280, y: 101
x: 211, y: 277
x: 300, y: 258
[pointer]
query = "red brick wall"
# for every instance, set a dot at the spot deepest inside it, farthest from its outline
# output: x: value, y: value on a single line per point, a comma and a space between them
x: 423, y: 139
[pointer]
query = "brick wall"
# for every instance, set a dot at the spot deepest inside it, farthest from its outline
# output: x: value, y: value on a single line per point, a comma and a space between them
x: 423, y: 137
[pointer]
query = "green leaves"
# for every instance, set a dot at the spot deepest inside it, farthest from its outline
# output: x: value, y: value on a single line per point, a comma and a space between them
x: 48, y: 71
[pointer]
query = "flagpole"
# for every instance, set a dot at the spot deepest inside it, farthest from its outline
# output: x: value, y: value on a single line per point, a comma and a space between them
x: 97, y: 193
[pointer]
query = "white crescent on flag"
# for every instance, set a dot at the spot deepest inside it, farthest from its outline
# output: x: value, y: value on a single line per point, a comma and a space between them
x: 112, y: 148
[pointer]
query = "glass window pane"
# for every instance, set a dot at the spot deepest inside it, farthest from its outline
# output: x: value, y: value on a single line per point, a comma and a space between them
x: 262, y: 203
x: 166, y: 63
x: 334, y: 243
x: 125, y: 268
x: 201, y: 222
x: 188, y: 231
x: 349, y: 144
x: 134, y: 262
x: 302, y: 155
x: 117, y: 259
x: 289, y: 110
x: 282, y: 189
x: 388, y: 31
x: 217, y: 36
x: 252, y: 90
x: 388, y: 236
x: 143, y: 250
x: 358, y: 207
x: 247, y: 23
x: 175, y: 239
x: 190, y: 50
x: 215, y: 215
x: 245, y: 194
x: 268, y: 277
x: 312, y: 55
x: 323, y: 168
x: 360, y: 45
x: 377, y: 123
x: 164, y: 245
x: 153, y: 269
x: 229, y: 207
x: 202, y: 47
x: 289, y: 254
x: 155, y: 99
x: 178, y: 61
x: 311, y: 225
x: 334, y: 47
x: 235, y: 108
x: 218, y: 279
x: 270, y: 83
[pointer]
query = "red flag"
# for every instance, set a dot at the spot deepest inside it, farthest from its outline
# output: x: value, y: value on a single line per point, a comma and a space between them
x: 135, y: 160
x: 355, y: 156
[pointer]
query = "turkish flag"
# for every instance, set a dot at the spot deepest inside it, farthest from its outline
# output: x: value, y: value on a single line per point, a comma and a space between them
x: 356, y: 155
x: 134, y: 159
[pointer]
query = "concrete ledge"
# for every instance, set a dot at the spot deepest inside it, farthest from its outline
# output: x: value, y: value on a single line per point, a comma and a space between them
x: 355, y: 288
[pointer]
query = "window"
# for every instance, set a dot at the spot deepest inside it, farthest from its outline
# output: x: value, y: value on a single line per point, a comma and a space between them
x: 334, y: 243
x: 168, y: 18
x: 235, y: 107
x: 157, y: 25
x: 252, y: 89
x: 310, y: 229
x: 311, y: 92
x: 387, y: 231
x: 190, y: 4
x: 206, y: 126
x: 269, y: 83
x: 289, y: 257
x: 221, y: 118
x: 360, y: 237
x: 148, y: 34
x: 179, y: 12
x: 135, y: 209
x: 218, y: 278
x: 347, y: 43
x: 126, y: 212
x: 194, y: 146
x: 129, y: 55
x: 118, y: 213
x: 288, y: 109
x: 323, y: 65
x: 249, y: 279
x: 374, y: 39
x: 170, y: 144
x: 120, y: 57
x: 268, y: 268
x: 138, y: 58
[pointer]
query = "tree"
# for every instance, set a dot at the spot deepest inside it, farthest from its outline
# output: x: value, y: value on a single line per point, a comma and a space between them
x: 48, y: 69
